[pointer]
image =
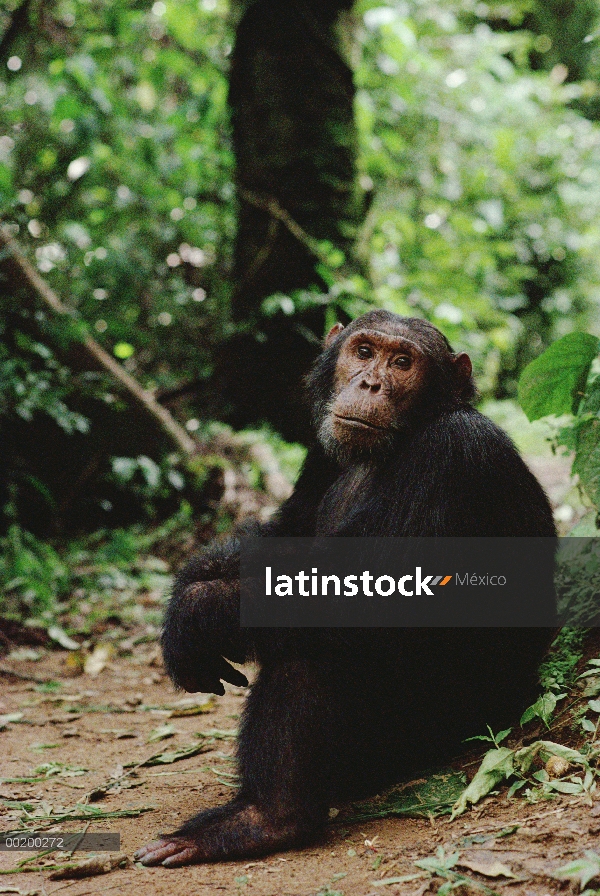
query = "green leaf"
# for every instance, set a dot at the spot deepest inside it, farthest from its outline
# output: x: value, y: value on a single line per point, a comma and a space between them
x: 516, y: 785
x: 497, y: 765
x: 555, y: 382
x: 502, y: 735
x: 541, y: 709
x: 440, y: 863
x: 525, y: 757
x: 584, y: 869
x: 565, y: 787
x: 587, y: 457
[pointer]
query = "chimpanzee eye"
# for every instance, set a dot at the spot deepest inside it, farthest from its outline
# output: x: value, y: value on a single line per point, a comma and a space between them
x: 364, y: 351
x: 403, y: 362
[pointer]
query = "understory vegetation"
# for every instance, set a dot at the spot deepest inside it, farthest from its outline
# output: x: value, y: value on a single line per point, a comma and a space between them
x: 164, y: 284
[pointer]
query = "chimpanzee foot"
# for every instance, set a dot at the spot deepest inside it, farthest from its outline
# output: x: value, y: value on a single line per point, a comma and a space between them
x: 178, y: 851
x: 234, y: 831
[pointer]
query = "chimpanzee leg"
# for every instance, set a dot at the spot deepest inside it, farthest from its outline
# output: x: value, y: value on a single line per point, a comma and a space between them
x: 287, y: 772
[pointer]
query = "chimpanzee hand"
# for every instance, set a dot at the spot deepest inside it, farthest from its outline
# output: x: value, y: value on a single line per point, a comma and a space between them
x: 202, y: 625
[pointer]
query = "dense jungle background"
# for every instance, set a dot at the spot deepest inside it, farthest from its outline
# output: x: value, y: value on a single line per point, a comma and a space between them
x: 191, y: 193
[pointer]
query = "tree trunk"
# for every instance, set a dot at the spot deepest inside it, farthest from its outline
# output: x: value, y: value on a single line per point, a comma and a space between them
x: 291, y: 96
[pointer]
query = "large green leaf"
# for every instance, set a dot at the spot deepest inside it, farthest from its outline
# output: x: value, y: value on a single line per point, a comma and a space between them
x: 554, y: 383
x: 587, y: 458
x: 496, y: 766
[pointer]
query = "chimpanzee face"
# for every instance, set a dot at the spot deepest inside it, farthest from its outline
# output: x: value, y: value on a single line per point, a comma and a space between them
x: 380, y: 378
x: 377, y: 378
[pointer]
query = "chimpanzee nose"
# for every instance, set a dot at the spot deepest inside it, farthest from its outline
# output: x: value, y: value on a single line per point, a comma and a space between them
x: 371, y: 385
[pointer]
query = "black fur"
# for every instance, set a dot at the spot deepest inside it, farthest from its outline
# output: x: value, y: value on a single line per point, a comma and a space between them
x: 339, y: 714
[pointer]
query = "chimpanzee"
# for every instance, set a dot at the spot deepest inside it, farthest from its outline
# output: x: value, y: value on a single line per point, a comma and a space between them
x: 338, y: 714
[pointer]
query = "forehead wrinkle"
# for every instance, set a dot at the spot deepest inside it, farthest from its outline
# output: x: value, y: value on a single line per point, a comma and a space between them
x: 397, y: 340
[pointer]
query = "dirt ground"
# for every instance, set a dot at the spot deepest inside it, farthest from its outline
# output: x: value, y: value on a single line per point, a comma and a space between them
x: 100, y: 723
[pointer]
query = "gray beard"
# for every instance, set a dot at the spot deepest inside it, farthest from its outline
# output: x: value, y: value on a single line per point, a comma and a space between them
x: 345, y: 453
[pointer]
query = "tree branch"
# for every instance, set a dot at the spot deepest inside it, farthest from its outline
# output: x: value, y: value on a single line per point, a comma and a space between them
x: 26, y: 273
x: 271, y: 206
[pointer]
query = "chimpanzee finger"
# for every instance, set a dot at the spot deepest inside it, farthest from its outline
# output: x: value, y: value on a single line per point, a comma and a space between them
x: 224, y: 670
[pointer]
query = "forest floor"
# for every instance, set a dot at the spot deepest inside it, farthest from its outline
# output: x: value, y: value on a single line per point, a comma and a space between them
x: 95, y: 725
x: 97, y: 740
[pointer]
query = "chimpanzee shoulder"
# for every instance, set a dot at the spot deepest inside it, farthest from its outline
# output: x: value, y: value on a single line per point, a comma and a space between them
x: 457, y: 475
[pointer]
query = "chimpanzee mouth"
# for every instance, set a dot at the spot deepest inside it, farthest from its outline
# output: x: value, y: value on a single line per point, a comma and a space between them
x: 359, y: 423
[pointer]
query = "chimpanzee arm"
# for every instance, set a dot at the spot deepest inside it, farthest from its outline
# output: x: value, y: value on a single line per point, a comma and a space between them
x: 202, y: 622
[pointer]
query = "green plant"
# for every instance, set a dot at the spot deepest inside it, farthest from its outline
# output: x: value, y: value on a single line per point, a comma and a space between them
x: 564, y: 382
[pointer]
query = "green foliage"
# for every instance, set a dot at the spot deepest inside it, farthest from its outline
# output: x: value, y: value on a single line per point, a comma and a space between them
x: 443, y: 865
x: 425, y: 798
x: 558, y: 669
x: 33, y: 381
x: 577, y: 580
x: 582, y: 870
x: 104, y: 573
x: 543, y: 708
x: 33, y: 578
x: 502, y: 763
x: 555, y: 382
x: 491, y: 738
x: 116, y: 165
x: 564, y: 380
x: 115, y: 170
x: 116, y: 173
x: 483, y: 181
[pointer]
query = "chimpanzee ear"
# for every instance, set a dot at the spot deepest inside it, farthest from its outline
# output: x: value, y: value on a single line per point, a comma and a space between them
x: 462, y: 366
x: 333, y: 333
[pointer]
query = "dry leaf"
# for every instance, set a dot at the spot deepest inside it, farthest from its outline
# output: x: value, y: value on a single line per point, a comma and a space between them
x: 161, y: 733
x: 557, y: 767
x: 488, y: 869
x: 98, y: 658
x: 10, y: 717
x: 192, y: 706
x: 90, y: 867
x: 20, y: 892
x: 74, y: 662
x: 61, y: 637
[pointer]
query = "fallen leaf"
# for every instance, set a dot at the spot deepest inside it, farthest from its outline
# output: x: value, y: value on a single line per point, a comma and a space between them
x: 191, y: 706
x: 488, y: 869
x: 74, y: 662
x: 97, y: 660
x: 584, y: 869
x: 10, y: 717
x: 90, y: 867
x: 20, y: 892
x: 169, y: 756
x: 24, y: 654
x: 496, y: 765
x: 61, y: 637
x: 161, y: 733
